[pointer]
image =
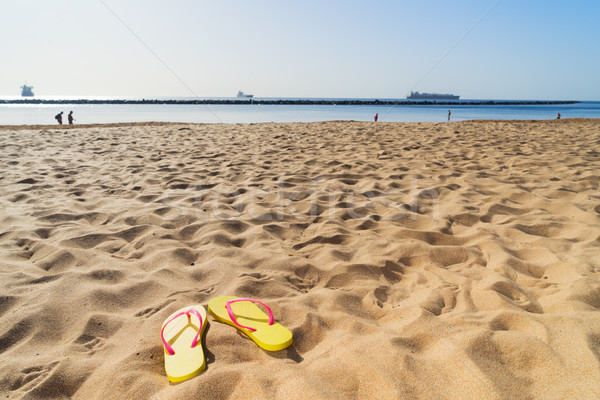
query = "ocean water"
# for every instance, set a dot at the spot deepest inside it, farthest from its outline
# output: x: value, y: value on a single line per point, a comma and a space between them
x: 20, y: 114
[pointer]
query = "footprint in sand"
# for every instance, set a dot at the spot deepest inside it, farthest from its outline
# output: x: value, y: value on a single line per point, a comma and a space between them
x: 99, y: 327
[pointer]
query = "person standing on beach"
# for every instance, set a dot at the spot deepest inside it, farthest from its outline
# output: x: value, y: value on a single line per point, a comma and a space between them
x: 557, y: 115
x: 449, y: 113
x: 376, y: 117
x: 58, y: 117
x: 70, y: 118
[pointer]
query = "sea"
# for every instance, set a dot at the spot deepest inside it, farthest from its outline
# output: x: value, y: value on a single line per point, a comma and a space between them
x: 34, y: 114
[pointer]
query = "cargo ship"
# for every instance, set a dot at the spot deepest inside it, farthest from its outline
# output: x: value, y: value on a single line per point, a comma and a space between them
x: 431, y: 96
x: 242, y: 95
x: 26, y: 91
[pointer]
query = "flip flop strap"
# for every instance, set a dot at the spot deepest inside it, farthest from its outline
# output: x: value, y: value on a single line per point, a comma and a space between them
x: 230, y: 312
x: 194, y: 342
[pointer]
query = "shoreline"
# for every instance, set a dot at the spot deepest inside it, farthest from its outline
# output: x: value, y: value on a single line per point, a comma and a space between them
x: 208, y: 124
x: 294, y: 102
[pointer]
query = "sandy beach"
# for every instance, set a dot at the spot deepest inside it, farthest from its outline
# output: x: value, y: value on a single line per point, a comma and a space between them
x: 409, y: 260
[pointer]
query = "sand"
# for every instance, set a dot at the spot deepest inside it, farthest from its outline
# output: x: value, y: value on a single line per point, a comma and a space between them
x: 410, y: 261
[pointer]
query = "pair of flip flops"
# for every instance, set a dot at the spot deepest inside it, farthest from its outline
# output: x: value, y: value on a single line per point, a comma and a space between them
x: 182, y: 339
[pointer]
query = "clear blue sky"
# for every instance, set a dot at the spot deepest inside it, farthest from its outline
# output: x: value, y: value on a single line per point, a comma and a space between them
x: 534, y: 49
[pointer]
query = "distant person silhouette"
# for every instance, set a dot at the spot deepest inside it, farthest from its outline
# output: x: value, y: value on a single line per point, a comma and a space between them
x: 70, y: 118
x: 449, y: 114
x: 557, y: 115
x: 376, y: 117
x: 58, y: 117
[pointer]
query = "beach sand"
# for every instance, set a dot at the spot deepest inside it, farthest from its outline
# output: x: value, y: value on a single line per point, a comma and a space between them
x: 410, y: 261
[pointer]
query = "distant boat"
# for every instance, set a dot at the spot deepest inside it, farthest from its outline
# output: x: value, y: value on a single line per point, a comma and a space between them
x: 26, y: 91
x: 243, y: 95
x: 431, y: 96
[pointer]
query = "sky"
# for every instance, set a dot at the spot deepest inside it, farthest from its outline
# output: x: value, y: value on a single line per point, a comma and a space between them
x: 478, y: 49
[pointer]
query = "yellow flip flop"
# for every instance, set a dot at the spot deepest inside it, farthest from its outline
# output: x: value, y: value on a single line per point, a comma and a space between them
x: 182, y: 339
x: 251, y: 320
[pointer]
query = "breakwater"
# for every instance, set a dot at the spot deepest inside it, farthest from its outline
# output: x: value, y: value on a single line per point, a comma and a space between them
x: 290, y: 102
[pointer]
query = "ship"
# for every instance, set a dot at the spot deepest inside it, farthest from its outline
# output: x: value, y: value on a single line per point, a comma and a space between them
x: 243, y: 95
x: 26, y: 91
x: 431, y: 96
